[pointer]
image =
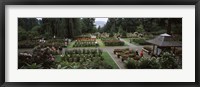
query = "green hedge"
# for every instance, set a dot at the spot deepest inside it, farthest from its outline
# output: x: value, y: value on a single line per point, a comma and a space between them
x: 27, y: 44
x: 84, y: 44
x: 139, y: 41
x: 112, y: 42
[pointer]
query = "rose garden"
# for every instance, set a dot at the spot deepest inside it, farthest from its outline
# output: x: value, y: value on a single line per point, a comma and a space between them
x: 139, y: 49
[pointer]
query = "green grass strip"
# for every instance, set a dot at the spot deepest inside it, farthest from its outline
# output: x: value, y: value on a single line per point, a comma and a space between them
x: 71, y: 44
x: 101, y: 44
x: 109, y: 60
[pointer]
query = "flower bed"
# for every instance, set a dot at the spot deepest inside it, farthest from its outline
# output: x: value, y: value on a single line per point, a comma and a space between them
x: 112, y: 42
x: 166, y: 61
x: 83, y: 59
x: 42, y: 57
x: 85, y: 42
x: 86, y: 39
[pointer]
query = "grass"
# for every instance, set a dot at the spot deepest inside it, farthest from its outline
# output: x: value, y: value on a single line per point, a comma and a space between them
x: 126, y: 39
x: 71, y: 44
x: 101, y: 44
x: 57, y: 58
x: 109, y: 60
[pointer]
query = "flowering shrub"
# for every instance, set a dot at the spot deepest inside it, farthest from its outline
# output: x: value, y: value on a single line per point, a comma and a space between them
x: 148, y: 63
x: 42, y: 55
x: 86, y: 39
x: 85, y: 42
x: 166, y: 61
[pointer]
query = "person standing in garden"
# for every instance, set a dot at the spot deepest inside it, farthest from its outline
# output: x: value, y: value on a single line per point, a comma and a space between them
x: 66, y: 42
x: 136, y: 52
x: 96, y: 44
x: 141, y: 53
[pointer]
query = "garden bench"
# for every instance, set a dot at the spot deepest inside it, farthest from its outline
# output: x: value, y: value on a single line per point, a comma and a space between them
x: 124, y: 57
x: 147, y: 49
x: 117, y: 51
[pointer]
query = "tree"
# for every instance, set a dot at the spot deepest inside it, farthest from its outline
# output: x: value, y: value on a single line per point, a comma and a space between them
x: 88, y: 24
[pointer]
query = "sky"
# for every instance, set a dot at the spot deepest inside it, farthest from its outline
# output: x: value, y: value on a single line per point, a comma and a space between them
x: 101, y: 19
x: 39, y: 18
x: 96, y: 19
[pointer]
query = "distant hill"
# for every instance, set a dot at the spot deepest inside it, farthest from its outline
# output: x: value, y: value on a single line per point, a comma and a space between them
x: 100, y: 23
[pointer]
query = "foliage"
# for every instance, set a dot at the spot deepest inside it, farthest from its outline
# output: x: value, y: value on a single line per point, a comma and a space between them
x: 140, y: 29
x: 32, y: 66
x: 84, y: 59
x: 28, y: 43
x: 167, y: 61
x: 41, y: 55
x: 131, y: 64
x: 85, y: 44
x: 140, y: 41
x: 112, y: 42
x: 148, y: 63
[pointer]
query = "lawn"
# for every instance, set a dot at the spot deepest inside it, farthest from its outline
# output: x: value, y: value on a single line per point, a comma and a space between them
x: 71, y: 44
x: 100, y: 43
x: 128, y: 40
x: 109, y: 60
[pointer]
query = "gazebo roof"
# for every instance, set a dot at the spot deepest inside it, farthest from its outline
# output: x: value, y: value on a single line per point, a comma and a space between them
x: 164, y: 40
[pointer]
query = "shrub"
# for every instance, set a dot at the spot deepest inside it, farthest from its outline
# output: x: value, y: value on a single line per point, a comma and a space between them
x: 131, y: 64
x: 148, y: 63
x: 112, y: 42
x: 27, y: 44
x: 140, y: 41
x: 167, y: 61
x: 41, y: 55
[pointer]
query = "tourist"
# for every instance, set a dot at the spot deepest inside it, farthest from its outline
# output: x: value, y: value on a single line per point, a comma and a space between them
x: 60, y: 49
x: 66, y: 42
x: 96, y: 43
x: 136, y: 52
x: 141, y: 53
